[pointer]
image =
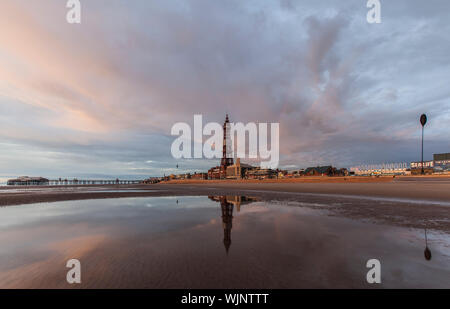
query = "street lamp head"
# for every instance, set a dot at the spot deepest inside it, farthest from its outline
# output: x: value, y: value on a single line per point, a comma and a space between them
x: 423, y: 119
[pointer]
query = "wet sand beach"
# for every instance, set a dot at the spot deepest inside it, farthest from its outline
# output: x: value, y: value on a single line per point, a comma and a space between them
x: 227, y: 234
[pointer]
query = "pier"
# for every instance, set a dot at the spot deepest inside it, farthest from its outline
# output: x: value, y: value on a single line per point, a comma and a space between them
x: 83, y: 182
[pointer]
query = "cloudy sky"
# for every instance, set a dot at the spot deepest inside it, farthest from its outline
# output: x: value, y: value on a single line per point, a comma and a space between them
x: 98, y: 99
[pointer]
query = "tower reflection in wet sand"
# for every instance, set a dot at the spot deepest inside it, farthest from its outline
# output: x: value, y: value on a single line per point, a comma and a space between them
x: 227, y: 203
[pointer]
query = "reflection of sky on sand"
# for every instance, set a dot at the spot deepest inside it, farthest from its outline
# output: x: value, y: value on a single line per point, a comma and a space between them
x: 179, y: 242
x: 50, y: 257
x: 91, y: 209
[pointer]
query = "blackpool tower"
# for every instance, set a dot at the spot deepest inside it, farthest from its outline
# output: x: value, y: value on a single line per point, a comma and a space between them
x: 227, y: 159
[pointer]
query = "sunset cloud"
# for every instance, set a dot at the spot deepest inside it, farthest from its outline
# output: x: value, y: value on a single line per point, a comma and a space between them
x: 106, y: 92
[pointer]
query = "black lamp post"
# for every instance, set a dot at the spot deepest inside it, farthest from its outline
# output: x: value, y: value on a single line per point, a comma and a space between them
x: 423, y: 121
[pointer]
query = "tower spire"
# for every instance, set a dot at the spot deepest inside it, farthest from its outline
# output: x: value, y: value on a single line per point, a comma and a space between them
x: 227, y: 160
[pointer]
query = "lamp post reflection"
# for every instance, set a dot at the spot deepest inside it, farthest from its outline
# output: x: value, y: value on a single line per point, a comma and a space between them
x: 427, y: 251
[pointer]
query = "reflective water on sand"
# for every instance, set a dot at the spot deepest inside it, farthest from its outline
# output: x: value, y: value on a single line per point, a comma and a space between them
x: 215, y: 242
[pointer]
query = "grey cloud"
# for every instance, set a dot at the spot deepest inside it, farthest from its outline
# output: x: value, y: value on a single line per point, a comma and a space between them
x: 343, y: 91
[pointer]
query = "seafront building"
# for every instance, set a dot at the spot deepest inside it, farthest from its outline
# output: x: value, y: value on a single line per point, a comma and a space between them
x: 238, y: 170
x: 381, y: 169
x: 261, y: 173
x: 439, y: 165
x: 426, y: 164
x: 325, y: 171
x: 416, y: 168
x: 28, y: 181
x: 199, y: 176
x: 441, y: 162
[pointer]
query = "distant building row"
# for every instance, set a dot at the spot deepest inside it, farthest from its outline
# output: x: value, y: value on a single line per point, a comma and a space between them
x: 244, y: 171
x: 238, y: 170
x: 439, y: 164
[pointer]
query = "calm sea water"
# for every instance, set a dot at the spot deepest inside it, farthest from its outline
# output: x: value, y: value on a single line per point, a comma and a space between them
x: 215, y: 242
